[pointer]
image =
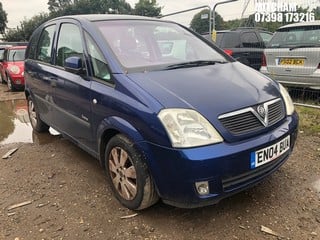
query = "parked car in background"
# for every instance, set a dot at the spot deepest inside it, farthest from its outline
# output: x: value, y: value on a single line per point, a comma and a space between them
x: 293, y: 55
x: 2, y: 48
x: 12, y: 67
x: 167, y: 114
x: 245, y: 44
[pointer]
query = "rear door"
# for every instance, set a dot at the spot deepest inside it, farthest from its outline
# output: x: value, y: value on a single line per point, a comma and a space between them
x: 39, y: 70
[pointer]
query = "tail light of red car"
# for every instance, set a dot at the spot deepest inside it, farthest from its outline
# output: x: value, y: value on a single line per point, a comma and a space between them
x: 228, y: 51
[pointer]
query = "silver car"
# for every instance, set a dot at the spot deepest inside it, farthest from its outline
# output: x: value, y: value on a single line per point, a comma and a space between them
x: 293, y: 55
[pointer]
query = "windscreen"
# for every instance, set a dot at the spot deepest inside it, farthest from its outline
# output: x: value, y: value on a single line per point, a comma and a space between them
x: 139, y: 43
x: 16, y: 55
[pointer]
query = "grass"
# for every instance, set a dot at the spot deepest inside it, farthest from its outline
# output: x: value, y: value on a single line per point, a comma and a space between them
x: 309, y: 120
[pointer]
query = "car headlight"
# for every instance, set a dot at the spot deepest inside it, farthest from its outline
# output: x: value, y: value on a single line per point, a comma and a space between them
x: 287, y: 100
x: 188, y: 128
x: 14, y: 69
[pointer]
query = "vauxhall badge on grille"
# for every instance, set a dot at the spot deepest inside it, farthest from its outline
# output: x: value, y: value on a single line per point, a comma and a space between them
x: 262, y: 114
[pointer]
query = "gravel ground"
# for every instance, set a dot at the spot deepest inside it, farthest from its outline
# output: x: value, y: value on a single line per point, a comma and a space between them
x: 63, y: 195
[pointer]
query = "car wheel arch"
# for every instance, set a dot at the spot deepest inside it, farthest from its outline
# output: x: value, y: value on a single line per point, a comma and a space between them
x: 112, y: 126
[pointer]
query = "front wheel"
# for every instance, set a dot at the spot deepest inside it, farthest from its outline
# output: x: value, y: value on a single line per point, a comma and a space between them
x: 37, y: 124
x: 128, y: 174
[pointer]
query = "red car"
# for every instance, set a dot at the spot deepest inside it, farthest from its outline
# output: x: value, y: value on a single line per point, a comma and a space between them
x: 12, y: 67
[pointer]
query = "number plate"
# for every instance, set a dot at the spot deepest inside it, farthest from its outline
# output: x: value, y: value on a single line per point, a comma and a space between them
x: 292, y: 61
x: 270, y: 153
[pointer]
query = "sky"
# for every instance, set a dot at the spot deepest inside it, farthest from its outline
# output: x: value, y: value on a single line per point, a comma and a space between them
x: 18, y: 10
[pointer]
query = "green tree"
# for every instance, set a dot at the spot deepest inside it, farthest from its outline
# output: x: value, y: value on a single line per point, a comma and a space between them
x: 317, y: 13
x: 148, y: 8
x: 69, y: 7
x: 3, y: 19
x: 201, y: 25
x: 59, y: 5
x: 26, y: 28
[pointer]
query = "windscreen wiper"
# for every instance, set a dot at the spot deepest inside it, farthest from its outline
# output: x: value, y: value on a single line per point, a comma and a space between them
x: 194, y: 64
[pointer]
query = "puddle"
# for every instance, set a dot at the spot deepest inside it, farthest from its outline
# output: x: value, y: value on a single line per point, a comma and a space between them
x: 15, y: 124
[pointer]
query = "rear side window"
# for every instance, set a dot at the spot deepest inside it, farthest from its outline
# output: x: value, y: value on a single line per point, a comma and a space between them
x: 45, y: 44
x: 69, y: 43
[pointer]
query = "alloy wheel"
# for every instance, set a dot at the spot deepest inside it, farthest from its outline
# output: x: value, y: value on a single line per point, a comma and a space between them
x: 123, y: 173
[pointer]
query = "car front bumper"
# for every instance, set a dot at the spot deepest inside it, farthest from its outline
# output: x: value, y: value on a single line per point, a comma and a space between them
x: 226, y: 167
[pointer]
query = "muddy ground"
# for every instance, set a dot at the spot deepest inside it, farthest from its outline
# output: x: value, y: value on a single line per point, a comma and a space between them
x: 64, y: 195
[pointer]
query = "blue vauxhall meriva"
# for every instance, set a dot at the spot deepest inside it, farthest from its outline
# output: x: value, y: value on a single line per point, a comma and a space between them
x: 167, y: 113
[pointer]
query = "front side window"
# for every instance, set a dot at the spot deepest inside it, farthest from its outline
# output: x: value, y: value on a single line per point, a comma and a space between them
x: 45, y: 44
x: 69, y: 43
x: 154, y: 44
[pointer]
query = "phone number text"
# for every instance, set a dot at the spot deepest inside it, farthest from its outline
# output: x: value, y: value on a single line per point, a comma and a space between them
x: 284, y: 17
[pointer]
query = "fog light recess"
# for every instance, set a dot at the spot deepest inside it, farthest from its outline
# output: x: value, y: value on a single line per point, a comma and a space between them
x: 202, y: 188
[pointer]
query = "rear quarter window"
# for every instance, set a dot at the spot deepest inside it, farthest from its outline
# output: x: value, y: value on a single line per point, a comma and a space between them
x: 32, y: 46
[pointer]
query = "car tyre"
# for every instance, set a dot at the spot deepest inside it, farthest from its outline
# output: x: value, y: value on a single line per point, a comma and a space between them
x: 1, y: 79
x: 128, y: 174
x: 10, y: 84
x: 37, y: 124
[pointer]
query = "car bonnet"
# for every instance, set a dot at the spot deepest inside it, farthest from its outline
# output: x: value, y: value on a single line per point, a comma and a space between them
x: 211, y: 90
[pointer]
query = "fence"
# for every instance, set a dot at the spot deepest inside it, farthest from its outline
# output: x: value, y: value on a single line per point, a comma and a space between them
x: 305, y: 97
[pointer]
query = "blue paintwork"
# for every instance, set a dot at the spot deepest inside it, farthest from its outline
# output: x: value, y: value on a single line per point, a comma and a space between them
x: 130, y: 106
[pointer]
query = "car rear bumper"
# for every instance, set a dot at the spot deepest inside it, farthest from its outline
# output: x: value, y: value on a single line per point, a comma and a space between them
x: 225, y: 167
x: 309, y: 81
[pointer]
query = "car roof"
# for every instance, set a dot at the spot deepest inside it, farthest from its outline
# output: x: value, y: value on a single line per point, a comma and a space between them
x: 244, y: 29
x: 103, y: 17
x: 301, y: 24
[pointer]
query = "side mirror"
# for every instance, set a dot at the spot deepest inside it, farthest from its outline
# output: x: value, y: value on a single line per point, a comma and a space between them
x: 74, y: 65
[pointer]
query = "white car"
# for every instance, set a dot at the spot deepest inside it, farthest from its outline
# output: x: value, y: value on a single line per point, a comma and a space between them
x: 293, y: 55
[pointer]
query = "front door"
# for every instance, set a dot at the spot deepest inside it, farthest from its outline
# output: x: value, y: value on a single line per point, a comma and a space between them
x: 72, y: 98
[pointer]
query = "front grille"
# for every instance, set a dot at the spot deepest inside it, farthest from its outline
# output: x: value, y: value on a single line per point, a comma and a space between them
x: 251, y: 119
x: 276, y: 112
